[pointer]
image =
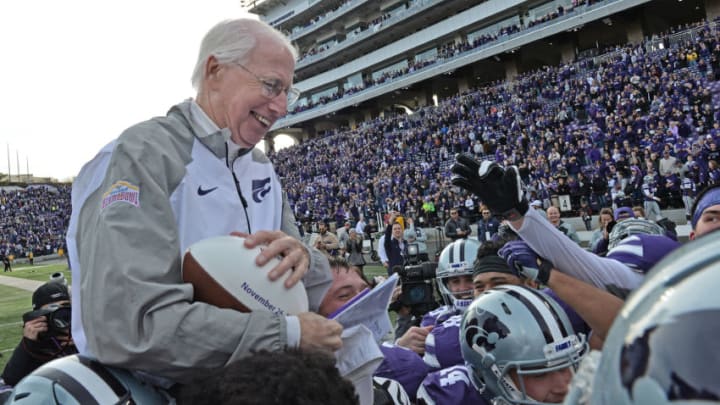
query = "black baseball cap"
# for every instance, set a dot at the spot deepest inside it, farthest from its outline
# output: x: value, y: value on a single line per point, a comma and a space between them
x: 48, y: 293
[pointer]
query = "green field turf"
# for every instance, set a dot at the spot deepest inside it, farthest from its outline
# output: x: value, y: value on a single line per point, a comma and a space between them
x: 14, y: 302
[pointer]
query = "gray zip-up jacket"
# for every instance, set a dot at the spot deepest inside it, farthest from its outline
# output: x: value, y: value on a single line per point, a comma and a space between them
x: 137, y: 206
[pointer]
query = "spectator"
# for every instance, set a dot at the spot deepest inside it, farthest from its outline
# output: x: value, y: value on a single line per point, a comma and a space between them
x: 354, y: 246
x: 668, y: 164
x: 651, y: 207
x: 487, y: 226
x: 342, y: 236
x: 457, y: 227
x: 553, y: 215
x: 605, y: 217
x: 326, y: 242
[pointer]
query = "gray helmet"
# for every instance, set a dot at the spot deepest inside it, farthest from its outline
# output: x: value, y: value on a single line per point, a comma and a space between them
x: 661, y: 348
x: 78, y: 380
x: 456, y: 260
x: 633, y: 226
x: 515, y: 328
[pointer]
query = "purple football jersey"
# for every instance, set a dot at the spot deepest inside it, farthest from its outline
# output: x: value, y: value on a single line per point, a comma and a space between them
x: 438, y: 315
x: 449, y: 386
x: 442, y: 345
x: 402, y: 365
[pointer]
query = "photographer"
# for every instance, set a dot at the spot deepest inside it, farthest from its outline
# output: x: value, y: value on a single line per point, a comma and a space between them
x: 46, y: 332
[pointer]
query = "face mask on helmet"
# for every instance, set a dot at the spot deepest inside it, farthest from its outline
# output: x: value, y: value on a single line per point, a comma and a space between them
x: 78, y: 380
x: 661, y: 348
x: 455, y: 262
x: 389, y: 392
x: 517, y: 342
x: 633, y: 226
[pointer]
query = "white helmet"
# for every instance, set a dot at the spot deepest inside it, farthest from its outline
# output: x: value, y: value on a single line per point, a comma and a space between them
x: 79, y: 380
x: 661, y: 348
x: 456, y: 260
x: 516, y: 329
x: 633, y: 226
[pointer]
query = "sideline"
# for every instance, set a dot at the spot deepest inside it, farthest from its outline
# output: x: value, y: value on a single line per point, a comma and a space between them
x: 21, y: 283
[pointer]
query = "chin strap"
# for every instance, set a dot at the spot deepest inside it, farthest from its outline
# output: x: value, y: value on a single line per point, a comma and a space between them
x: 461, y: 304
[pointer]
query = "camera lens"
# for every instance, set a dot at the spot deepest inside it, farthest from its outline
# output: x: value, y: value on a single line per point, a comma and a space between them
x: 61, y: 318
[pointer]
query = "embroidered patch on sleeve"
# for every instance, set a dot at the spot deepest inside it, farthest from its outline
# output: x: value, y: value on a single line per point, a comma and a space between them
x: 121, y: 191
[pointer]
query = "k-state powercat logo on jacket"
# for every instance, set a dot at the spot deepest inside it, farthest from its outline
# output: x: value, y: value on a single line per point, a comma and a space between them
x: 260, y: 188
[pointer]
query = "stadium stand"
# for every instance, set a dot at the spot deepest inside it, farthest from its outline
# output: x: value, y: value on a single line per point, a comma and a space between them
x: 575, y: 129
x: 34, y: 218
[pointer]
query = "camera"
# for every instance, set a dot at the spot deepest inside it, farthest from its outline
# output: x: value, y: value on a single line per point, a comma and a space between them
x: 418, y: 287
x: 57, y: 316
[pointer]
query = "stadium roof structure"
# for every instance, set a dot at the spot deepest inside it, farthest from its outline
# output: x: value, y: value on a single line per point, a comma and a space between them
x: 361, y: 59
x: 11, y: 188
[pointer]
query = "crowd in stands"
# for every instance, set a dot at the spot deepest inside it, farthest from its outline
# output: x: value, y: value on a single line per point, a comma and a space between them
x: 444, y: 51
x: 599, y: 130
x: 34, y: 220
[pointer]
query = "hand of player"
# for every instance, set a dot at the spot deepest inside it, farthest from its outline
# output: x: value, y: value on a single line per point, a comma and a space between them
x: 500, y: 189
x: 319, y: 333
x: 414, y: 338
x: 295, y: 257
x: 525, y: 262
x: 35, y: 327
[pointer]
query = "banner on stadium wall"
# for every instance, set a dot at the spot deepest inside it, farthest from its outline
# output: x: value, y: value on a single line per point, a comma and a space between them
x: 564, y: 203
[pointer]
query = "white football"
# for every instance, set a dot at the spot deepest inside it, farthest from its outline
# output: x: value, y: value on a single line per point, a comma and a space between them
x: 224, y: 274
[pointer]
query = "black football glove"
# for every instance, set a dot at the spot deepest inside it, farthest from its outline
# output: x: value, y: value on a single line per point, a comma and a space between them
x: 500, y: 189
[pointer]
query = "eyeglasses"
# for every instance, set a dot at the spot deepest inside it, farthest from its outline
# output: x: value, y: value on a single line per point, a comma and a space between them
x: 486, y: 213
x: 272, y: 88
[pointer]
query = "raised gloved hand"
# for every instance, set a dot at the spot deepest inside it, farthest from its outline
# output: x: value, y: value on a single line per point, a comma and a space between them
x: 500, y: 189
x: 525, y: 262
